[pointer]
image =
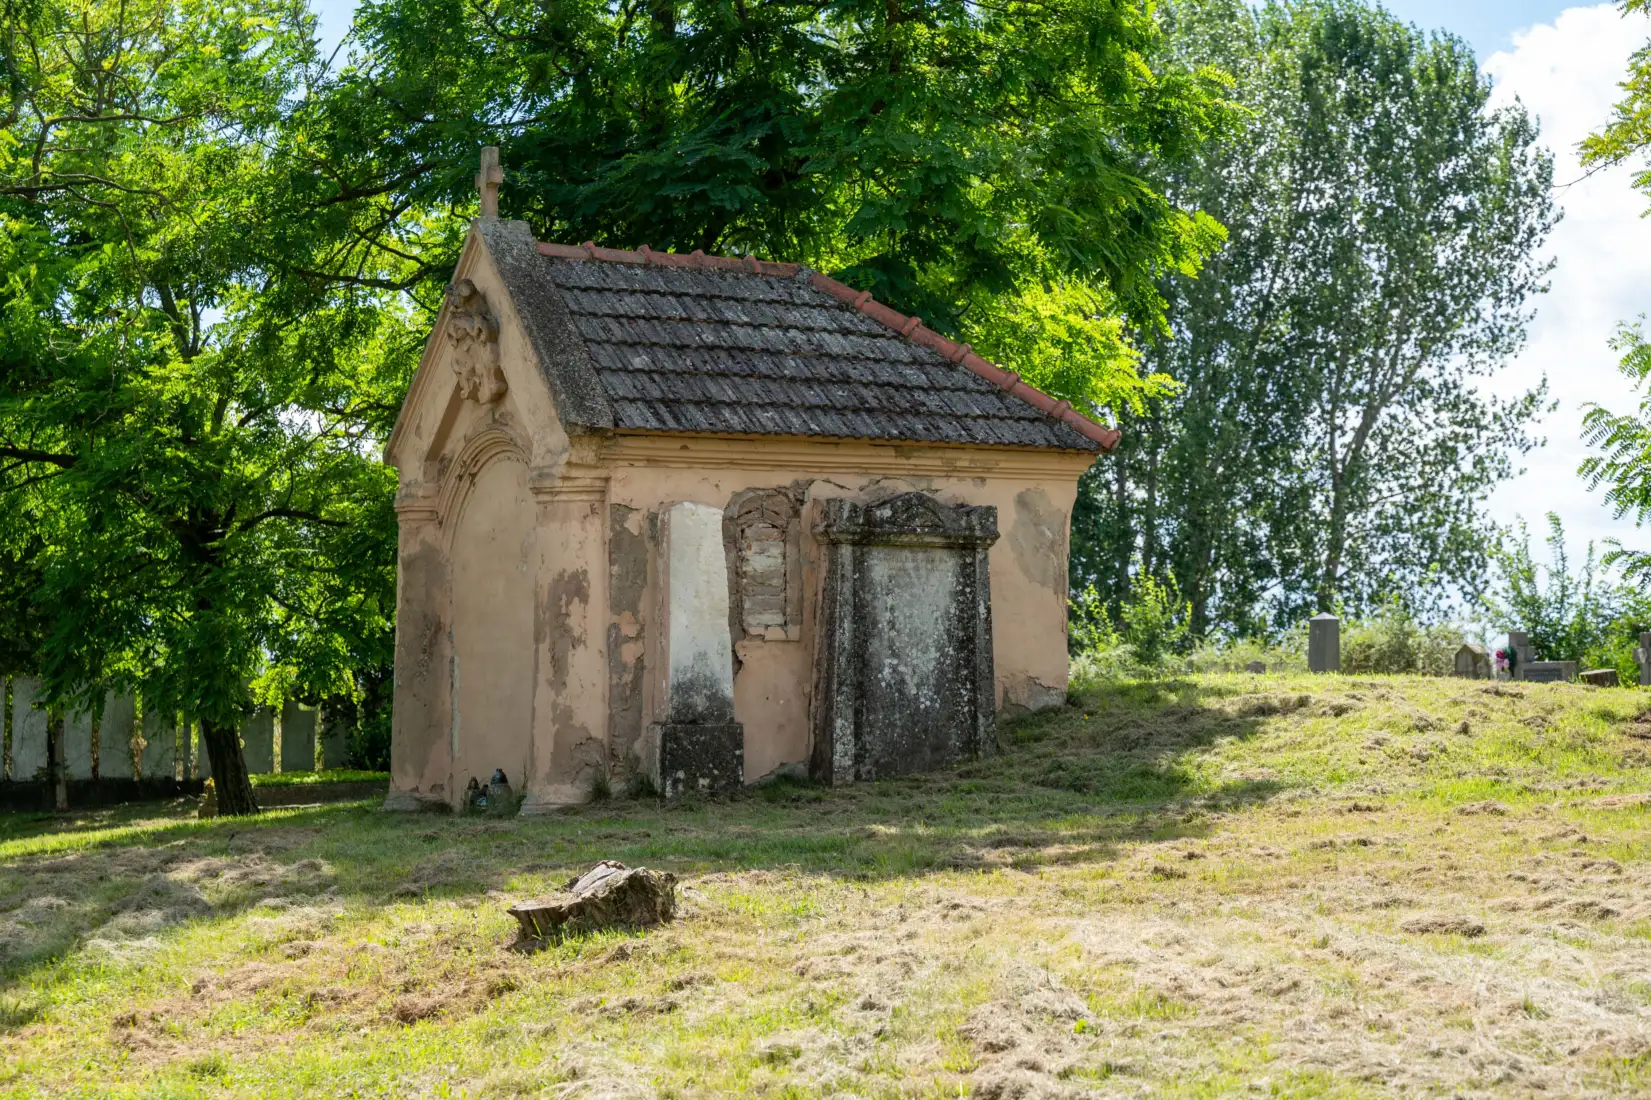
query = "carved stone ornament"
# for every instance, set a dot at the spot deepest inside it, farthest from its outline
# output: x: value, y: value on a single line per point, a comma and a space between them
x: 473, y: 333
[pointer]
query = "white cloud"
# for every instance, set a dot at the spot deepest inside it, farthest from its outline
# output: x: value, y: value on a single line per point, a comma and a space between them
x: 1566, y: 73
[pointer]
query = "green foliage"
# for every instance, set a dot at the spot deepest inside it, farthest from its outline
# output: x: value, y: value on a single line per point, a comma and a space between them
x: 1628, y: 134
x: 1154, y: 624
x: 995, y: 169
x: 1288, y: 654
x: 1624, y: 467
x: 1392, y: 641
x: 1582, y: 616
x: 1151, y: 628
x: 189, y: 414
x: 1330, y: 442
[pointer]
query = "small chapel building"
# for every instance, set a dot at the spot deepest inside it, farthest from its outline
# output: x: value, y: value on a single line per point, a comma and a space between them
x: 694, y: 521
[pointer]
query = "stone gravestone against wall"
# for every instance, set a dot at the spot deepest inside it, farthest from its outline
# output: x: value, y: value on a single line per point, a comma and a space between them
x: 905, y: 649
x: 28, y: 732
x: 1472, y: 662
x: 1643, y: 655
x: 1324, y: 643
x: 297, y: 737
x: 1548, y: 672
x: 160, y: 744
x: 1520, y: 654
x: 258, y: 741
x: 695, y: 745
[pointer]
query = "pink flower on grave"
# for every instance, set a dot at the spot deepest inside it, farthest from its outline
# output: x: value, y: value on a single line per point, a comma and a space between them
x: 1502, y: 660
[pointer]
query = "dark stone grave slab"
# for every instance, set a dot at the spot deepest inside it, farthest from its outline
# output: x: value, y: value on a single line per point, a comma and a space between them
x: 905, y: 674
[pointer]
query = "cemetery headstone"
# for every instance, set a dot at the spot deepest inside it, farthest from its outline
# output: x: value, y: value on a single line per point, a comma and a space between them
x: 1520, y: 653
x: 1600, y: 677
x: 1472, y: 662
x: 258, y: 741
x: 1644, y: 655
x: 1255, y: 666
x: 1548, y: 672
x: 297, y: 737
x: 1324, y: 643
x: 28, y: 732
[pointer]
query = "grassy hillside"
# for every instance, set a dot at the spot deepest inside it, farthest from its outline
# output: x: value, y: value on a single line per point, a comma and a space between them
x: 1306, y: 887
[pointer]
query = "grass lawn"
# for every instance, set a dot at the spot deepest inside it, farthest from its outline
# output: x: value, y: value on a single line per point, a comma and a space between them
x: 1277, y: 885
x: 304, y: 779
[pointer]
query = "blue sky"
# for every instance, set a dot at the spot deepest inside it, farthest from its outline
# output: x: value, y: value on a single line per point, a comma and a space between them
x: 1489, y: 25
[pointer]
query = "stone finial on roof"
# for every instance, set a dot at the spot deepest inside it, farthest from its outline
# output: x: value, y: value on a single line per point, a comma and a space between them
x: 488, y: 180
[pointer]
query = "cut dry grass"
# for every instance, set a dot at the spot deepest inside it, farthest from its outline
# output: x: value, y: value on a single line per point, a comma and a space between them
x: 1309, y: 887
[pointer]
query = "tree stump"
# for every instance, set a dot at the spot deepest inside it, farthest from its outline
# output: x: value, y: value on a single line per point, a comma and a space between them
x: 609, y: 895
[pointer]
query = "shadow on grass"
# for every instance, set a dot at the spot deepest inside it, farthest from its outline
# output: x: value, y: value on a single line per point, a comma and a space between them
x: 1067, y: 788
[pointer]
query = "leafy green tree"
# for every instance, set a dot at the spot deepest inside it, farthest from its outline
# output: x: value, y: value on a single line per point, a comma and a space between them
x: 1331, y: 444
x: 1628, y: 134
x: 189, y: 413
x: 1624, y: 439
x: 1583, y: 616
x: 1625, y: 465
x: 992, y: 168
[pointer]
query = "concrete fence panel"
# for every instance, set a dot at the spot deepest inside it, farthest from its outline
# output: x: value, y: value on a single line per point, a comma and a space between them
x: 114, y: 737
x: 258, y: 741
x: 297, y: 737
x: 160, y: 745
x: 28, y: 731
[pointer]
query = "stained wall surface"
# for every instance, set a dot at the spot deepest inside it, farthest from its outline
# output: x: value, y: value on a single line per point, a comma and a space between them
x: 494, y: 570
x: 28, y: 731
x: 528, y: 568
x: 1033, y: 493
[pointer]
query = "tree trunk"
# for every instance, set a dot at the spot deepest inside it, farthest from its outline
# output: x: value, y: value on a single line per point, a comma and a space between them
x: 229, y: 769
x: 1336, y: 543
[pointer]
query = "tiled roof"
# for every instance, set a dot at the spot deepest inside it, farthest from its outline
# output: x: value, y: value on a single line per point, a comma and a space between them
x: 706, y: 344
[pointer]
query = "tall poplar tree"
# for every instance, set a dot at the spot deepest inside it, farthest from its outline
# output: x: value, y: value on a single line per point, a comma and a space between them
x: 1333, y: 441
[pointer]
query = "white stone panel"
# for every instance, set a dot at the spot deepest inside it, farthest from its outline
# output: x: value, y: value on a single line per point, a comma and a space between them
x: 114, y: 737
x: 77, y: 744
x: 699, y: 665
x: 195, y: 752
x: 160, y: 744
x: 28, y: 731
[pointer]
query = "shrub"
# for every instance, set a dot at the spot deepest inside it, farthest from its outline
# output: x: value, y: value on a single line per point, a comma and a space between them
x: 1394, y: 642
x: 1235, y: 654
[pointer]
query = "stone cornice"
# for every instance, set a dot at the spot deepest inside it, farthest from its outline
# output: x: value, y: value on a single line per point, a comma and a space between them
x: 571, y: 485
x: 819, y: 456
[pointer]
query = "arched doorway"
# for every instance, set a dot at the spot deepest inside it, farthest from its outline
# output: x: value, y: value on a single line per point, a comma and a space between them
x: 494, y: 564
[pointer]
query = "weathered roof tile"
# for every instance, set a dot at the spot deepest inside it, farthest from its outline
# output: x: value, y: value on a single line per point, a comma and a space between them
x: 682, y: 349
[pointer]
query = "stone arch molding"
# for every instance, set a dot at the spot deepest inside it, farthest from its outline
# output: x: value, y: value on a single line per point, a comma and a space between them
x: 491, y: 444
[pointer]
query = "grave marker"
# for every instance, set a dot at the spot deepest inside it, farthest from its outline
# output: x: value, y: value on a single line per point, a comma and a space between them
x: 1324, y: 643
x: 1548, y: 672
